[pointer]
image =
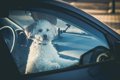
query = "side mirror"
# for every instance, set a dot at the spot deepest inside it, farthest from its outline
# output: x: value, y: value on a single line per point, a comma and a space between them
x: 97, y: 54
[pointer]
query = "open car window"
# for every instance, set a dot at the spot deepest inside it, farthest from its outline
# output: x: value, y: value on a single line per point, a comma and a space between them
x: 52, y: 42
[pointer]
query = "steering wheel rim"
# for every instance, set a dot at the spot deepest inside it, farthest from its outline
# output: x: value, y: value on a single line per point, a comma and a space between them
x: 13, y: 34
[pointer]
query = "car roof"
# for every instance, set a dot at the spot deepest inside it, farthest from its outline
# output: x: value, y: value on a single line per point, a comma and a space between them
x: 61, y: 5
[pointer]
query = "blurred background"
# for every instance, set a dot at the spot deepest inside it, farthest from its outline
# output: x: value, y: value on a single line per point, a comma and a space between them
x: 107, y: 11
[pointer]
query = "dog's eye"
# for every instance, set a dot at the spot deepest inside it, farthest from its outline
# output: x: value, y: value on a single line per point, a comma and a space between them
x: 47, y: 30
x: 40, y: 30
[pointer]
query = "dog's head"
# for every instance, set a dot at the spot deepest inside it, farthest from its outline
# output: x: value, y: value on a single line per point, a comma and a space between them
x: 41, y: 31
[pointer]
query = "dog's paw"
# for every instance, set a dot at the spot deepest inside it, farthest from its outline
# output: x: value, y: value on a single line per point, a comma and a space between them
x: 55, y: 65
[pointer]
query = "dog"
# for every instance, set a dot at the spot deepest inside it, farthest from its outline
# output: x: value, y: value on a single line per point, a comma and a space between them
x: 43, y: 56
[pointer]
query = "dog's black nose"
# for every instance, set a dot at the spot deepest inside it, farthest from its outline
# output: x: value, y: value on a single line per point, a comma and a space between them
x: 45, y: 36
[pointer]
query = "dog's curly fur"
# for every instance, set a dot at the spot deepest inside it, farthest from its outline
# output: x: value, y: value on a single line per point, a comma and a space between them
x: 43, y: 56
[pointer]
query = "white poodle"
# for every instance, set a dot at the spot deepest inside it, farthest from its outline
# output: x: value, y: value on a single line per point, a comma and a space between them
x: 43, y: 56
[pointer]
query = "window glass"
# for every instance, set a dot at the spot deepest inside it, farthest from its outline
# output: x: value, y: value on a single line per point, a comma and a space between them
x: 51, y: 42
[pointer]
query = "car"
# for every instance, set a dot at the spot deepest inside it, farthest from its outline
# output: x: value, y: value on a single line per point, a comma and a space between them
x: 79, y: 37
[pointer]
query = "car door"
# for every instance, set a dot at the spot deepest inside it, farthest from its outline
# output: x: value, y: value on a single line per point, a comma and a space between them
x: 78, y: 37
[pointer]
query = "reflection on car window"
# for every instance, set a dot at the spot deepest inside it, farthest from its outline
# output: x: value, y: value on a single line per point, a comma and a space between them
x: 52, y: 43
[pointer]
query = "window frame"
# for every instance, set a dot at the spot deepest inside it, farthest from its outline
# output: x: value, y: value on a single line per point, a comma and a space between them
x: 63, y: 15
x: 74, y: 17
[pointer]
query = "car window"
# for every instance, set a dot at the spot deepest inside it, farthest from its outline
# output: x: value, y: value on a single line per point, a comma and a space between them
x: 51, y: 42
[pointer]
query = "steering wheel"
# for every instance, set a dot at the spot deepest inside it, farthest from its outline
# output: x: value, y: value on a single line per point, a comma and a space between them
x: 9, y: 36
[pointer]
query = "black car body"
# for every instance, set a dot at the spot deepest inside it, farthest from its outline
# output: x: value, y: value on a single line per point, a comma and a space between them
x: 91, y: 70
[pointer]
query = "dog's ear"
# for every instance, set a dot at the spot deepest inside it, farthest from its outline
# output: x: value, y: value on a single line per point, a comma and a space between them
x: 29, y: 29
x: 55, y: 30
